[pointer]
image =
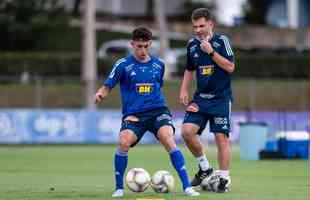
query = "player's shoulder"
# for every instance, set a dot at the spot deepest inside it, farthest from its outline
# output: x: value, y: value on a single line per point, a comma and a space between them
x: 192, y: 41
x: 123, y: 62
x: 192, y: 44
x: 222, y: 38
x: 120, y: 61
x: 225, y: 42
x: 158, y: 62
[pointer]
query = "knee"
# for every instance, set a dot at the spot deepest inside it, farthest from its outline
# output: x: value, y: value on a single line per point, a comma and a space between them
x: 168, y: 141
x: 187, y: 133
x: 124, y: 145
x: 222, y: 142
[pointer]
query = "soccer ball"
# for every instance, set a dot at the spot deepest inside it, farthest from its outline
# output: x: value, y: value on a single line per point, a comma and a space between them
x: 138, y: 179
x: 162, y: 182
x: 211, y: 183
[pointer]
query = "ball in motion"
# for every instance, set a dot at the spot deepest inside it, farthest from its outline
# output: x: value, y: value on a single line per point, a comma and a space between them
x: 138, y: 179
x: 162, y: 182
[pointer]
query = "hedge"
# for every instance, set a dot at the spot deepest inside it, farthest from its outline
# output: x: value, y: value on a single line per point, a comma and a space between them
x: 69, y: 64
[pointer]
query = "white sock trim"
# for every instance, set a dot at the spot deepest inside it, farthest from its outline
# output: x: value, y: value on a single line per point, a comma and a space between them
x: 203, y: 162
x: 224, y: 173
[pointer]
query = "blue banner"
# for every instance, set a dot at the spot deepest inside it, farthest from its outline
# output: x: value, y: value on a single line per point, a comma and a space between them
x: 39, y: 126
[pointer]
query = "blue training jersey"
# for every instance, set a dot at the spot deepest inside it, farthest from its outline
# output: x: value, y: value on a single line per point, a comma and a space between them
x: 140, y: 84
x: 213, y: 82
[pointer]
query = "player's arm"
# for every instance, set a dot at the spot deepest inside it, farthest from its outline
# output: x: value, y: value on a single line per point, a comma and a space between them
x: 102, y: 93
x: 187, y: 78
x: 184, y: 91
x: 225, y: 62
x: 110, y: 82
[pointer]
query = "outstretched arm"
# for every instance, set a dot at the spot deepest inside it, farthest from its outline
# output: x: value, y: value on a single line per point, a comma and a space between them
x: 102, y: 93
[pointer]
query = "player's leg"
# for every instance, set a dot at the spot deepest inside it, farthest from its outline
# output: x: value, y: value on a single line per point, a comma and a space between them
x: 165, y: 136
x: 189, y: 133
x: 220, y: 125
x: 193, y: 125
x: 126, y: 139
x: 223, y: 148
x: 131, y: 132
x: 223, y: 155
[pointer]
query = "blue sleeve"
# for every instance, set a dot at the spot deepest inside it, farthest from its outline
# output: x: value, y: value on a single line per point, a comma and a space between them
x: 226, y: 50
x: 115, y: 75
x: 189, y: 61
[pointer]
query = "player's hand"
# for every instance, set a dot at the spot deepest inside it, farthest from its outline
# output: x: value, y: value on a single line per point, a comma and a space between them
x: 184, y: 98
x: 193, y: 107
x: 206, y: 45
x: 98, y: 97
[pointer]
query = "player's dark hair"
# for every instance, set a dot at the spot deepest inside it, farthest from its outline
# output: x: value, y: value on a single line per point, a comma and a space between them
x: 141, y: 34
x: 202, y: 12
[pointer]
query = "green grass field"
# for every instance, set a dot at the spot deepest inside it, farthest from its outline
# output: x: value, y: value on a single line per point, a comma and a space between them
x: 85, y: 172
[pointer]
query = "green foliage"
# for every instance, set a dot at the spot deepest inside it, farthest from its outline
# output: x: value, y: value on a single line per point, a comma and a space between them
x: 46, y: 64
x: 25, y: 24
x: 262, y: 66
x: 273, y: 66
x: 255, y: 11
x: 69, y: 64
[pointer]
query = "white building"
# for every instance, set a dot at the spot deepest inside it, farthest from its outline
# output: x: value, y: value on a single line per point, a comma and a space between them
x: 281, y: 13
x: 227, y: 11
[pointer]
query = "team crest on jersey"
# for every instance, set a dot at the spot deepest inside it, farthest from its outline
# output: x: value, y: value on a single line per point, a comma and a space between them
x: 133, y: 73
x: 144, y: 88
x: 216, y: 45
x: 206, y: 70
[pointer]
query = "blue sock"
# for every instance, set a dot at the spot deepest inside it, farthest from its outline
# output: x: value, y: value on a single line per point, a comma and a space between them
x: 178, y: 163
x: 120, y: 165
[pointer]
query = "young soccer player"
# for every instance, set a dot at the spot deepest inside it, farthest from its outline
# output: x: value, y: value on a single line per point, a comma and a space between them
x: 210, y: 56
x: 144, y: 109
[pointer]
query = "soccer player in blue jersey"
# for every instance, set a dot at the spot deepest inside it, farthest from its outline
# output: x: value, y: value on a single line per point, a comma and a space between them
x: 144, y: 109
x: 210, y: 57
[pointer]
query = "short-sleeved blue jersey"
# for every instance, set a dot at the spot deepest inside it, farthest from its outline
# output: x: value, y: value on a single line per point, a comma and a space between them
x: 140, y: 84
x: 213, y: 82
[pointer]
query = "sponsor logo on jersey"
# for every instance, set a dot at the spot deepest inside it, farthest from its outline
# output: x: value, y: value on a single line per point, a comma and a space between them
x: 144, y: 88
x: 206, y: 70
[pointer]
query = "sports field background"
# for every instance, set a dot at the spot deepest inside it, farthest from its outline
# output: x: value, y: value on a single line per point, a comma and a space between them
x: 248, y: 94
x: 70, y: 172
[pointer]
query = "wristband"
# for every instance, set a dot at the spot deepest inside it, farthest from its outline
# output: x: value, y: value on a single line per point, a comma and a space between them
x: 211, y: 54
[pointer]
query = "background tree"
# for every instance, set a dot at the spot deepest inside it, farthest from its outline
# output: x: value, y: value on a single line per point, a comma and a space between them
x: 255, y: 11
x: 24, y: 24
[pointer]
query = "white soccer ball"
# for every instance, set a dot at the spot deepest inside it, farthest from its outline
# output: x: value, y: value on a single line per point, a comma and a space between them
x: 162, y: 182
x: 211, y: 183
x: 138, y: 179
